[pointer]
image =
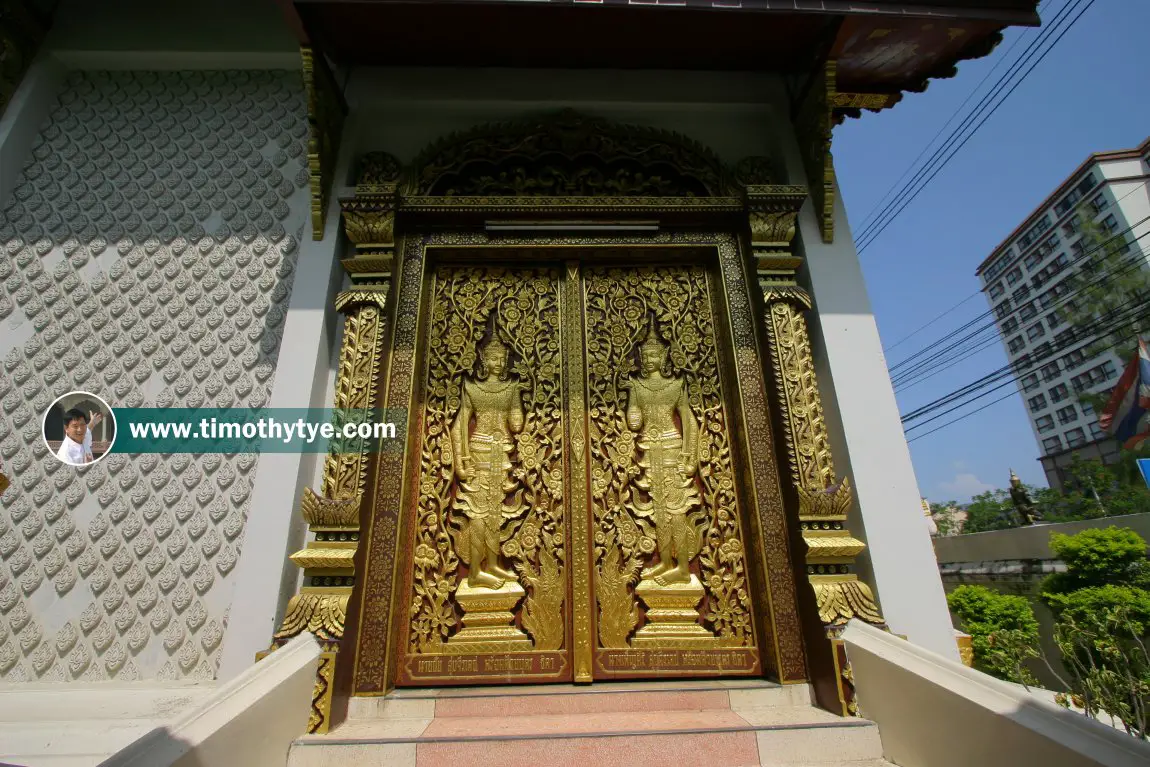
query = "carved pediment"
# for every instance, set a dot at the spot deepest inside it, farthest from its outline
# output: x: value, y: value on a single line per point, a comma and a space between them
x: 567, y: 154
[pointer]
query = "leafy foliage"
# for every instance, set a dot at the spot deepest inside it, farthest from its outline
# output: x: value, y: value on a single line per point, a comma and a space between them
x: 1106, y: 290
x: 1102, y: 628
x: 1002, y: 628
x: 1114, y: 556
x: 944, y: 517
x: 991, y: 510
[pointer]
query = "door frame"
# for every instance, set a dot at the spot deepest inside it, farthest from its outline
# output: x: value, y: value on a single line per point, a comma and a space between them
x: 386, y: 549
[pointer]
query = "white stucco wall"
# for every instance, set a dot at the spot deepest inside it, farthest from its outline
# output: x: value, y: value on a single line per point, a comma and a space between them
x: 147, y: 254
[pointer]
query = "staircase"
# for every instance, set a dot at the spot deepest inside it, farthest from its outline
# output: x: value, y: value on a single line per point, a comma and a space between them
x: 635, y: 724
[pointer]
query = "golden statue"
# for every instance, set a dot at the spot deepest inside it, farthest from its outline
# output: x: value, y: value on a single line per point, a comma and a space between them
x: 483, y: 465
x: 668, y: 460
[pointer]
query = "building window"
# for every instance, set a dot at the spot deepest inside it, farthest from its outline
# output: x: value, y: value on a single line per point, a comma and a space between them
x: 1049, y: 372
x: 1072, y: 227
x: 1021, y: 293
x: 1108, y: 224
x: 1108, y: 370
x: 1099, y: 202
x: 1045, y: 423
x: 1002, y: 309
x: 1010, y: 326
x: 1074, y: 359
x: 1030, y: 383
x: 1054, y: 320
x: 1087, y: 409
x: 1028, y: 312
x: 1074, y: 195
x: 1037, y: 402
x: 1033, y: 260
x: 996, y: 290
x: 1075, y: 437
x: 1013, y: 276
x: 1016, y: 345
x: 1052, y: 444
x: 1035, y: 331
x: 1067, y: 414
x: 1096, y: 431
x: 1059, y: 393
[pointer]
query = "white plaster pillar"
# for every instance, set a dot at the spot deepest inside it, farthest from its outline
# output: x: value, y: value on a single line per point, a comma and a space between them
x: 265, y: 579
x: 867, y: 436
x: 27, y: 110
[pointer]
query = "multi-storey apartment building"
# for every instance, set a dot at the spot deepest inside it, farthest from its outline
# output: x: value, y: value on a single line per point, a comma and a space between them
x: 1030, y: 278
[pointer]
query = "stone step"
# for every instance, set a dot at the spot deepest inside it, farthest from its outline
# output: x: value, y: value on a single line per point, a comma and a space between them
x: 578, y: 699
x: 621, y: 724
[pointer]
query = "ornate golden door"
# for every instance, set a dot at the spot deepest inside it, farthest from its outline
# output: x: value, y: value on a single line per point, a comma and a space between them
x: 575, y: 509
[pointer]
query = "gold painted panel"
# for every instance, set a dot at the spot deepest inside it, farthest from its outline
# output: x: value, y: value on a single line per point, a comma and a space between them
x: 670, y: 566
x: 489, y: 555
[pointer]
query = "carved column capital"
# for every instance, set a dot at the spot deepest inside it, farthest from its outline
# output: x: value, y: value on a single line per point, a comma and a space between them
x: 369, y: 217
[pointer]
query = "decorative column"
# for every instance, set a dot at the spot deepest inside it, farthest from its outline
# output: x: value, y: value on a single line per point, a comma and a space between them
x: 333, y: 514
x: 824, y: 499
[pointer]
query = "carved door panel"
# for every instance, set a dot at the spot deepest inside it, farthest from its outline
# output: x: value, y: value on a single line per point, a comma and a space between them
x: 669, y: 574
x: 574, y: 512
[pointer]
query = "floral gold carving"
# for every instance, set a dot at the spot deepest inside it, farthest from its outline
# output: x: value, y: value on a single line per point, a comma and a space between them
x: 490, y: 494
x: 668, y: 490
x: 566, y: 154
x: 333, y: 515
x: 326, y: 111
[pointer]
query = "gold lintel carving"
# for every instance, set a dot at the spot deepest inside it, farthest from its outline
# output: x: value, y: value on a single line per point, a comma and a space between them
x: 814, y: 121
x: 326, y: 110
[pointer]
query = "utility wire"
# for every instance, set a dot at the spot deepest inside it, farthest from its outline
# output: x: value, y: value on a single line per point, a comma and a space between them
x: 989, y: 312
x: 948, y: 342
x: 891, y: 212
x: 1105, y: 326
x: 964, y: 416
x: 923, y: 369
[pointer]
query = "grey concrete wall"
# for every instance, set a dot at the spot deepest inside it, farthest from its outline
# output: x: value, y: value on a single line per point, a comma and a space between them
x: 1025, y: 543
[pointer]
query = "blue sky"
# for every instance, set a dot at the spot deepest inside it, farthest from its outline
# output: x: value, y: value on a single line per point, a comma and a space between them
x: 1088, y: 95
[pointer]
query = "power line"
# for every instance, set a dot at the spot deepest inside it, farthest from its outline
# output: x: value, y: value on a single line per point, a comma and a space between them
x: 989, y: 312
x: 891, y: 212
x: 948, y: 342
x: 919, y: 372
x: 927, y: 325
x: 963, y: 417
x: 1105, y: 326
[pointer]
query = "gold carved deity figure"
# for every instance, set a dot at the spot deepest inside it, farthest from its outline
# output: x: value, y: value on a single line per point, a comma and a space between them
x: 482, y: 464
x: 668, y: 462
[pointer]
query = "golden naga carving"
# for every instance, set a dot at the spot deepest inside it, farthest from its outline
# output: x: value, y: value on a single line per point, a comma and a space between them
x: 326, y: 110
x: 567, y: 154
x: 814, y: 122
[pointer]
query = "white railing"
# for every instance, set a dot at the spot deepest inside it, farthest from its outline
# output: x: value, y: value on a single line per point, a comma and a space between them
x: 933, y: 712
x: 250, y: 721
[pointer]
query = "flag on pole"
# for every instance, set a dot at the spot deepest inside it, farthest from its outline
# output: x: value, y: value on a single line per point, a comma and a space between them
x: 1123, y: 415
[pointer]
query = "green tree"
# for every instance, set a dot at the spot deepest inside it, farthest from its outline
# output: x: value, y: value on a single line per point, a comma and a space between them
x: 991, y: 510
x: 1106, y: 288
x: 944, y: 518
x: 1003, y: 631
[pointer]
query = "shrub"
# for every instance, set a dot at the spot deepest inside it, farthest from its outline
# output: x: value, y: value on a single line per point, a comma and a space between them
x: 1003, y: 631
x: 1103, y: 633
x: 1113, y: 556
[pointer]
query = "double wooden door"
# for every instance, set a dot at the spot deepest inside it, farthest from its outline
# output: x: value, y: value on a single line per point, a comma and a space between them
x: 574, y: 507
